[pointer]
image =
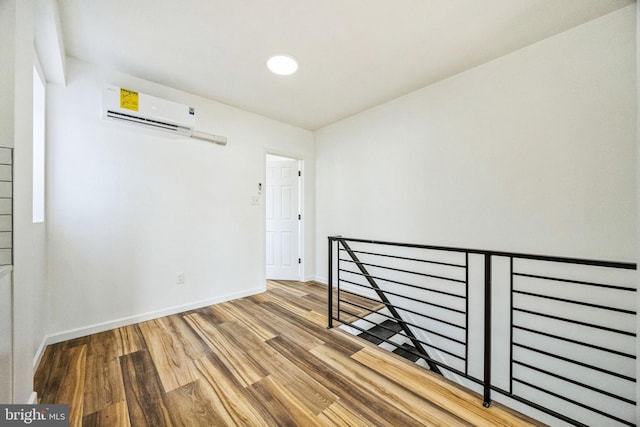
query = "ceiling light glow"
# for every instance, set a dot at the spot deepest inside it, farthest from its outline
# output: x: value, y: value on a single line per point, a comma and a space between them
x: 282, y: 65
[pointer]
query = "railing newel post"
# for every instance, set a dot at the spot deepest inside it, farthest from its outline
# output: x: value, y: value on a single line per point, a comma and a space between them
x: 330, y: 285
x: 487, y: 331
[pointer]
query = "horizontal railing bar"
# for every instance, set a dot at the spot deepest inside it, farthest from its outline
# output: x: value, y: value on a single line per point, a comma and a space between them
x: 611, y: 264
x: 346, y: 291
x: 568, y: 301
x: 342, y: 309
x: 455, y: 340
x: 404, y: 284
x: 578, y: 383
x: 406, y: 297
x: 406, y: 310
x: 349, y: 303
x: 346, y: 311
x: 450, y: 353
x: 575, y: 362
x: 558, y: 337
x: 566, y: 399
x: 422, y: 356
x: 406, y: 271
x: 405, y: 245
x: 409, y: 258
x: 469, y: 377
x: 422, y: 288
x: 578, y: 282
x: 409, y: 324
x: 539, y: 407
x: 576, y: 322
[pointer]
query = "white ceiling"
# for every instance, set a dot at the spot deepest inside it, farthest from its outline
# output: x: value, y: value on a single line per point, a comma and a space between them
x: 353, y: 54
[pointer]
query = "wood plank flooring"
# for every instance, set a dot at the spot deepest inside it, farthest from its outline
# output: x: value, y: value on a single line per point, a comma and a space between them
x: 264, y: 360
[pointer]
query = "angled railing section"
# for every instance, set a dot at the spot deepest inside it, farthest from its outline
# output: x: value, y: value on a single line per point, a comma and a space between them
x: 417, y: 344
x: 557, y: 335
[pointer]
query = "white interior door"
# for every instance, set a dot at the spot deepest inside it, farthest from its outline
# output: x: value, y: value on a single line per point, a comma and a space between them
x: 281, y: 203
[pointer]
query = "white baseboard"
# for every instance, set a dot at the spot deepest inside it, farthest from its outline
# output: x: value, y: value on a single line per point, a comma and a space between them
x: 38, y: 356
x: 322, y: 280
x: 125, y: 321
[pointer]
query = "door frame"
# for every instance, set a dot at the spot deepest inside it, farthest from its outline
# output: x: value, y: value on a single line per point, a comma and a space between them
x: 301, y: 202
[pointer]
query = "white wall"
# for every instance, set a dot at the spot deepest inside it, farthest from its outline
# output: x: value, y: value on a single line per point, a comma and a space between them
x: 637, y: 200
x: 29, y: 290
x: 7, y: 88
x: 533, y: 152
x: 128, y: 208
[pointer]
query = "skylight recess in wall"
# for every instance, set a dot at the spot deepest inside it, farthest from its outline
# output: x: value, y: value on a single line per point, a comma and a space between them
x: 39, y: 93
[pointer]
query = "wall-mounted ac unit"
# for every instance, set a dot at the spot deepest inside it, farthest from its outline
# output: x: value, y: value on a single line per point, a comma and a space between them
x: 124, y: 105
x: 127, y: 106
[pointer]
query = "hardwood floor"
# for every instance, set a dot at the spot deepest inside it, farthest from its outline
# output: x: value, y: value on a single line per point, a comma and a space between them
x: 265, y: 360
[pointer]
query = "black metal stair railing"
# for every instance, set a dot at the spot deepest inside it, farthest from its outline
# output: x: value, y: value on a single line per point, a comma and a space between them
x: 430, y: 316
x: 396, y: 316
x: 565, y: 342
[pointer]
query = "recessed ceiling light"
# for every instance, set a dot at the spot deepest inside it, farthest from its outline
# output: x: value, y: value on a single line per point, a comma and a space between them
x: 283, y: 65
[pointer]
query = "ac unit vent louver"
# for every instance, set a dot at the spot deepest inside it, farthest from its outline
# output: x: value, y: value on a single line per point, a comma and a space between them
x: 148, y: 122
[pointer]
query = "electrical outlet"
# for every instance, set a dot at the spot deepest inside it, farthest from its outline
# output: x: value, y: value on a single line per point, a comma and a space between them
x: 180, y: 278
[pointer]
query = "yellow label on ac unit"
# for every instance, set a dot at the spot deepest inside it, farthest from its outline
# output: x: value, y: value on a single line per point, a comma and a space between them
x: 129, y: 99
